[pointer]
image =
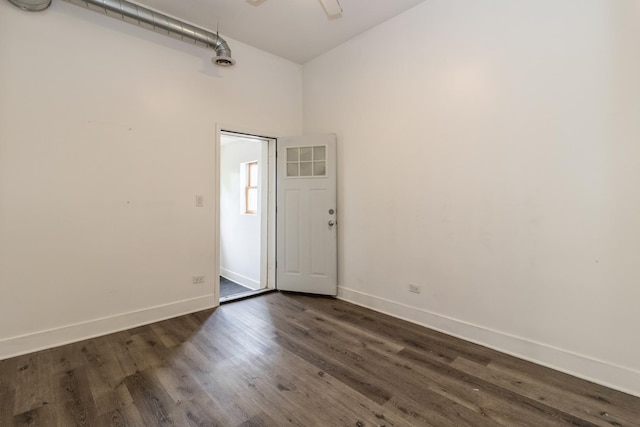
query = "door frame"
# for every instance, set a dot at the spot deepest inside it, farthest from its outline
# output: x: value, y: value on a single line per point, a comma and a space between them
x: 268, y: 221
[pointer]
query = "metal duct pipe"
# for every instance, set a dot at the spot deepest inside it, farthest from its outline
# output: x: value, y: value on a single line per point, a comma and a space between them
x: 147, y: 18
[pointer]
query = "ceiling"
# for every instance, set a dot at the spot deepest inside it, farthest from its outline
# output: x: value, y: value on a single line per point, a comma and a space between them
x: 298, y: 30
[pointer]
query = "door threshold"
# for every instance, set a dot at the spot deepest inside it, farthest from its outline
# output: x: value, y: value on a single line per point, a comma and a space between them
x: 244, y: 295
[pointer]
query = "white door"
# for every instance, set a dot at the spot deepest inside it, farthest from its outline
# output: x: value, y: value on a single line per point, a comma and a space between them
x: 307, y: 244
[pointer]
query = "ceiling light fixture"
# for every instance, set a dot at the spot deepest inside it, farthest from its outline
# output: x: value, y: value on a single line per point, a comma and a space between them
x: 332, y: 8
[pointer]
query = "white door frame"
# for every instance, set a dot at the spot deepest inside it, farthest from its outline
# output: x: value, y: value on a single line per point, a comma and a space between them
x: 268, y: 221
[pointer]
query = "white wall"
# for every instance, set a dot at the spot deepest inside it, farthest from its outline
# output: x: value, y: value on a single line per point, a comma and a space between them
x: 240, y: 234
x: 107, y: 133
x: 488, y: 152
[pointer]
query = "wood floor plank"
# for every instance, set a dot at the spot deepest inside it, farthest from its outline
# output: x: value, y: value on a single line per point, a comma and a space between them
x: 201, y: 411
x: 276, y: 383
x: 44, y: 416
x: 74, y: 402
x: 113, y: 419
x: 152, y: 402
x: 257, y: 391
x: 144, y: 348
x: 603, y: 415
x: 360, y: 383
x: 33, y: 387
x: 284, y: 359
x: 105, y: 376
x: 416, y: 414
x: 377, y: 349
x: 319, y: 389
x: 7, y: 398
x: 362, y: 363
x: 115, y: 346
x: 178, y: 384
x: 591, y: 395
x: 494, y: 403
x: 175, y: 331
x: 8, y: 371
x: 128, y: 416
x: 260, y: 420
x: 223, y: 390
x: 67, y: 357
x: 406, y: 334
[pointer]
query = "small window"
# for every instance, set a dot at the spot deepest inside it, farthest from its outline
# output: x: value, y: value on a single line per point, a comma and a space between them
x: 307, y: 161
x: 251, y: 188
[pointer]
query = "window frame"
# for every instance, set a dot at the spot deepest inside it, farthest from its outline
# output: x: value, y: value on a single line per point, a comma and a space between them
x: 249, y: 186
x: 313, y: 162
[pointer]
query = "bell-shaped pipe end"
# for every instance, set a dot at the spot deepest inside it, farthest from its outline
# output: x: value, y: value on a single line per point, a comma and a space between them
x: 223, y: 61
x: 32, y: 5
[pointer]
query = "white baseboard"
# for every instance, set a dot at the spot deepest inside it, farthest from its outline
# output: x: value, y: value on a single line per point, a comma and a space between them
x: 41, y: 340
x: 239, y: 278
x: 617, y: 377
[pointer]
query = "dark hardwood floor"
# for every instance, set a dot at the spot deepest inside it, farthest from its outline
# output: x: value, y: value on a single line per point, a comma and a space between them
x: 282, y: 359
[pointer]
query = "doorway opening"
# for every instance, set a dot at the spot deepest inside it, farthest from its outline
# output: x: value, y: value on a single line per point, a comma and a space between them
x: 245, y: 215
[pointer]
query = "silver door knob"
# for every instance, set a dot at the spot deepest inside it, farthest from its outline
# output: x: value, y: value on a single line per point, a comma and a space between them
x: 331, y: 223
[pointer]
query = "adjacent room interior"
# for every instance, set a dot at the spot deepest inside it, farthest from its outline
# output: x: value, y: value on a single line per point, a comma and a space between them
x: 243, y: 215
x: 487, y: 207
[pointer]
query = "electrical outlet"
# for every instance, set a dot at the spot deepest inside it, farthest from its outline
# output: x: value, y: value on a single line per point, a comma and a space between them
x: 199, y: 200
x: 414, y: 288
x: 198, y: 279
